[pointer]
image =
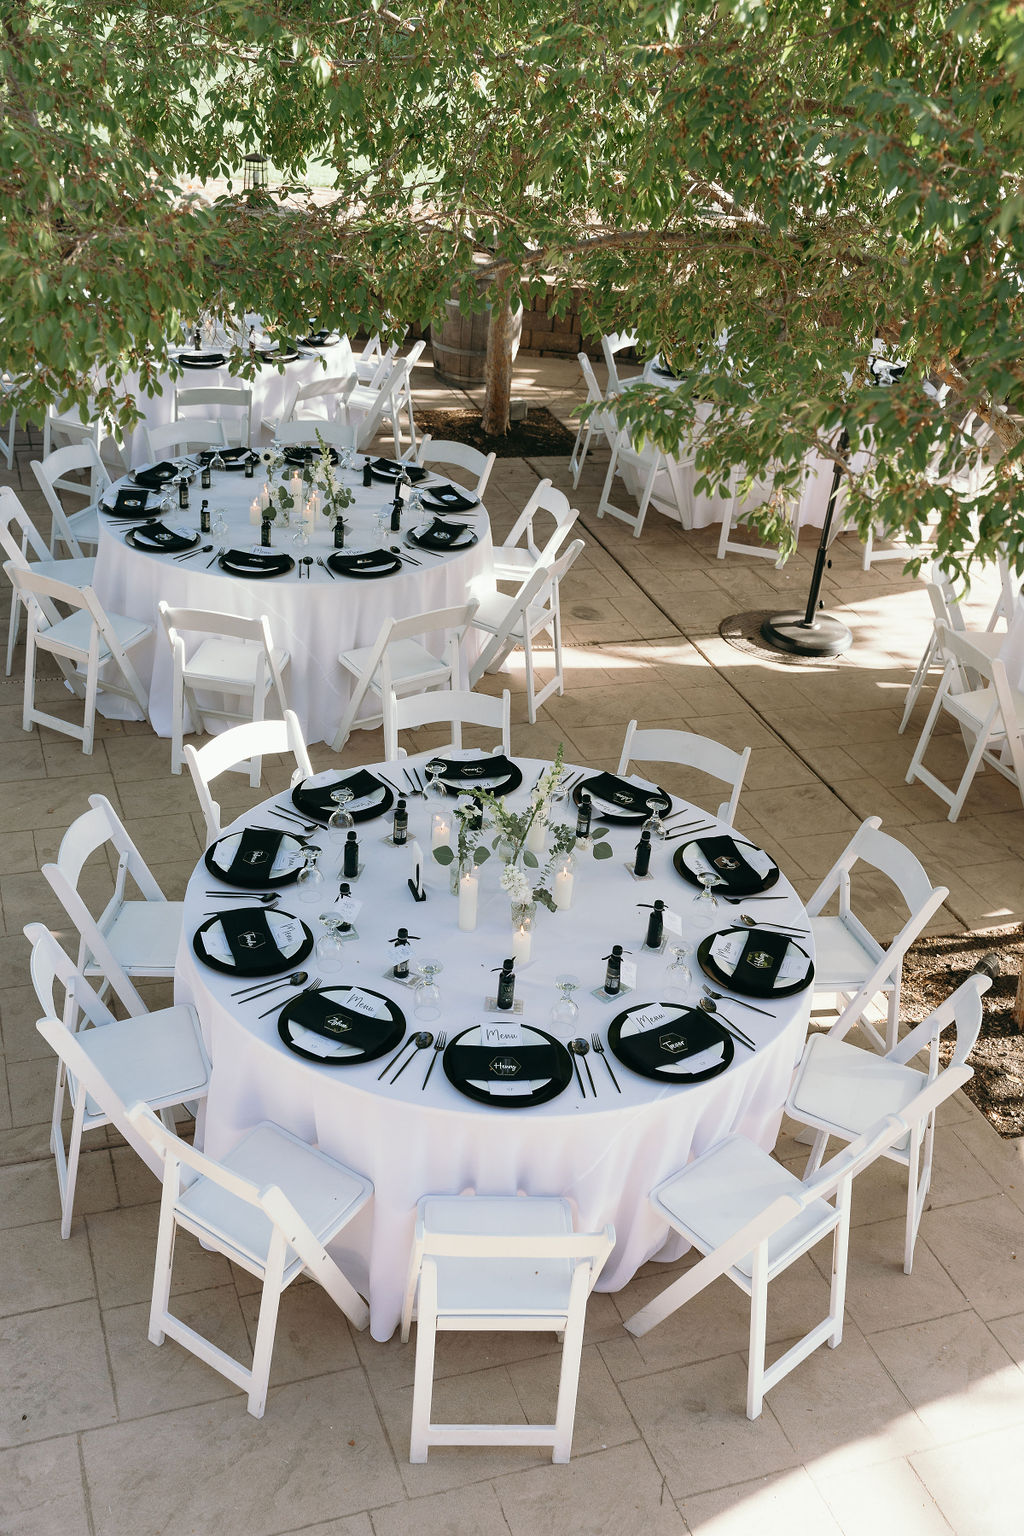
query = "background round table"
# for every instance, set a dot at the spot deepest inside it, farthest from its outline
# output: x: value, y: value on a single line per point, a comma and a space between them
x: 312, y: 619
x: 605, y: 1153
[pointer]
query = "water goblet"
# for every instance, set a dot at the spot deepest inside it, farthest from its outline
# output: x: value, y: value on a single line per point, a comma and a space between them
x: 310, y: 883
x: 300, y: 534
x: 219, y: 526
x: 427, y: 1004
x: 654, y: 824
x: 566, y: 1011
x: 435, y: 783
x: 340, y: 823
x: 330, y: 946
x: 216, y: 462
x: 707, y: 901
x: 678, y: 975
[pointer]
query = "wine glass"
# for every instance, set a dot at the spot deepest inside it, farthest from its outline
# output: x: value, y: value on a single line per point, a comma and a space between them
x: 219, y: 526
x: 565, y: 1011
x: 310, y: 883
x: 707, y: 901
x: 654, y: 824
x: 330, y: 946
x: 678, y: 975
x: 341, y: 822
x: 415, y: 504
x: 435, y: 784
x: 216, y: 462
x: 427, y: 1003
x: 300, y: 534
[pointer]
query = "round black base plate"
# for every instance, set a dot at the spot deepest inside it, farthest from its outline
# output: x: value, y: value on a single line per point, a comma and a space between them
x: 827, y: 636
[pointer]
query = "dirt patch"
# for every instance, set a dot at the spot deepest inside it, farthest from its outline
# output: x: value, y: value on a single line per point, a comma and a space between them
x: 933, y: 968
x: 540, y: 434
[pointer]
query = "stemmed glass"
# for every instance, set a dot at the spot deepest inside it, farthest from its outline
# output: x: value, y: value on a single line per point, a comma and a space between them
x: 341, y: 821
x: 565, y: 1011
x: 654, y: 824
x: 435, y: 768
x: 310, y: 883
x: 330, y: 946
x: 219, y: 526
x: 707, y: 901
x: 216, y: 462
x: 678, y: 975
x: 427, y: 1003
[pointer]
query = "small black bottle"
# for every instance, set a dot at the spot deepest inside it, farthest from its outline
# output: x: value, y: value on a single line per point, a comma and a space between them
x: 655, y: 927
x: 400, y: 825
x: 586, y: 811
x: 197, y: 339
x: 396, y: 516
x: 612, y: 975
x: 642, y: 862
x: 183, y: 493
x: 339, y: 533
x: 350, y: 858
x: 367, y: 477
x: 265, y: 528
x: 400, y: 970
x: 506, y: 986
x: 204, y: 517
x: 344, y: 890
x: 250, y: 465
x: 204, y: 477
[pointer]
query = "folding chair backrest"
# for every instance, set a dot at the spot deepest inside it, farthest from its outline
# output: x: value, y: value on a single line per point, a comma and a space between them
x: 476, y: 464
x: 19, y: 536
x: 255, y: 738
x: 210, y: 622
x: 616, y: 341
x: 50, y: 472
x: 544, y: 498
x: 305, y: 429
x: 960, y: 648
x: 594, y: 395
x: 456, y: 707
x: 963, y: 1010
x: 366, y: 430
x: 225, y: 398
x: 693, y: 751
x: 49, y: 590
x: 51, y: 968
x: 178, y: 436
x: 330, y: 387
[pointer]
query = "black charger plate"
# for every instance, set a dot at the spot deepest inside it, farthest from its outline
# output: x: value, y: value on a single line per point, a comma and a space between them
x: 770, y: 879
x: 708, y: 965
x: 392, y: 1030
x: 275, y: 967
x: 621, y: 818
x: 714, y: 1028
x: 261, y: 882
x: 549, y: 1090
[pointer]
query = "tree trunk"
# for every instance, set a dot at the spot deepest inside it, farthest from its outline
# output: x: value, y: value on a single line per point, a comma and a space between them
x: 501, y: 338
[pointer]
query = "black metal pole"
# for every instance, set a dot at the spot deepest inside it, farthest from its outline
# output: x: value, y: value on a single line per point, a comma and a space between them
x: 814, y: 633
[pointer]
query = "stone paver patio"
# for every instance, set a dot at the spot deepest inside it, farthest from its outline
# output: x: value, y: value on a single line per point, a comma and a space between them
x: 914, y: 1425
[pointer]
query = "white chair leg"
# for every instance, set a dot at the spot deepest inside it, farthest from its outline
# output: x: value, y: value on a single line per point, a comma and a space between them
x: 840, y: 1258
x: 71, y: 1165
x: 531, y: 689
x: 917, y: 1190
x: 568, y: 1389
x: 266, y: 1331
x: 924, y: 666
x: 817, y: 1153
x: 13, y: 626
x: 162, y: 1268
x: 758, y: 1334
x: 423, y: 1383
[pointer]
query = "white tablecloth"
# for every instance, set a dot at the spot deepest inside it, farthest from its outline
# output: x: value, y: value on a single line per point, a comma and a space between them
x: 604, y: 1153
x: 313, y: 620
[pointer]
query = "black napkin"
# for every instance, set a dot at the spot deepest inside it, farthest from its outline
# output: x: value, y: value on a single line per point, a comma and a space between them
x: 320, y: 339
x: 371, y: 559
x: 300, y: 453
x: 129, y: 503
x: 441, y: 535
x: 502, y: 1063
x: 316, y: 798
x: 626, y: 797
x: 480, y: 768
x: 326, y: 1016
x: 390, y: 469
x: 160, y: 538
x: 449, y: 498
x: 156, y: 476
x: 242, y: 561
x: 254, y: 856
x: 729, y: 864
x: 670, y: 1043
x: 252, y: 945
x: 202, y: 359
x: 758, y: 965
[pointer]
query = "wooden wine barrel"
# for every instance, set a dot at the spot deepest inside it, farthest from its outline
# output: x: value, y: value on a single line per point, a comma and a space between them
x: 459, y: 345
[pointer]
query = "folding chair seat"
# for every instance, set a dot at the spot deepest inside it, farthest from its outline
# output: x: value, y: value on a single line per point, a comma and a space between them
x: 398, y: 663
x: 271, y: 1206
x: 659, y: 480
x: 849, y: 961
x: 129, y: 938
x: 477, y: 465
x: 521, y: 551
x: 19, y: 538
x: 518, y: 621
x: 751, y: 1219
x: 839, y: 1090
x: 175, y: 437
x: 690, y: 751
x: 600, y: 423
x: 224, y: 398
x: 499, y: 1264
x: 236, y: 657
x: 611, y: 345
x: 449, y: 706
x: 991, y: 716
x: 236, y: 748
x: 158, y: 1058
x: 81, y: 643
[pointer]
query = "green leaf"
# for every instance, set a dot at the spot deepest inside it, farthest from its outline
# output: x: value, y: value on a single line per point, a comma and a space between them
x: 444, y: 855
x: 481, y: 854
x: 602, y: 850
x: 530, y: 859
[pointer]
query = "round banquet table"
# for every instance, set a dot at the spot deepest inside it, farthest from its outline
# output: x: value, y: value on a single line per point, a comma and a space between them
x: 605, y: 1152
x: 313, y: 619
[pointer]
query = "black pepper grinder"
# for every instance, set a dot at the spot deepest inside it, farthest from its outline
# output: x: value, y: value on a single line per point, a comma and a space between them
x: 613, y: 970
x: 350, y: 857
x: 655, y: 925
x: 344, y: 890
x: 367, y: 477
x: 642, y: 862
x: 204, y: 517
x: 400, y: 825
x: 585, y: 812
x: 204, y: 476
x: 506, y: 986
x: 183, y: 492
x: 265, y: 528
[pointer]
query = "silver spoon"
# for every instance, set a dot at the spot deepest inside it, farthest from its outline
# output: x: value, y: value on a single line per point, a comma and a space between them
x: 581, y: 1047
x: 737, y: 1002
x: 422, y: 1042
x: 261, y: 901
x: 708, y: 1006
x: 296, y: 979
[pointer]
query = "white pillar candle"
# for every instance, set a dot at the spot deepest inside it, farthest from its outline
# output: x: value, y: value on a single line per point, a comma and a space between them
x: 468, y: 889
x: 561, y: 895
x: 538, y: 829
x: 440, y: 830
x: 255, y: 511
x: 265, y: 496
x: 522, y: 942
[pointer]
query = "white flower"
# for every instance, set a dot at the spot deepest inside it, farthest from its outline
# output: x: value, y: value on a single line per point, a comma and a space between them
x: 515, y: 882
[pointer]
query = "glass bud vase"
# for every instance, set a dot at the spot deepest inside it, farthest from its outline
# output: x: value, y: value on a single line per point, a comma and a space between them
x: 523, y: 914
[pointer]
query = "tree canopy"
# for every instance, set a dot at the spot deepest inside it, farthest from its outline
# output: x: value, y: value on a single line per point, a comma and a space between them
x: 762, y: 191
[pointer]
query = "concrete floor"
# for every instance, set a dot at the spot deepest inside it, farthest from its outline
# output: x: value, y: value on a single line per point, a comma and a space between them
x: 913, y: 1425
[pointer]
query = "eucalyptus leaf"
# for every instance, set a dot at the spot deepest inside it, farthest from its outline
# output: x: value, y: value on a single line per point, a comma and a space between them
x: 481, y: 854
x: 602, y: 850
x: 530, y: 859
x: 443, y: 854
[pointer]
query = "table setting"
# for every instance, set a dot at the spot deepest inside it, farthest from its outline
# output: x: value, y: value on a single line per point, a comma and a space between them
x: 446, y: 969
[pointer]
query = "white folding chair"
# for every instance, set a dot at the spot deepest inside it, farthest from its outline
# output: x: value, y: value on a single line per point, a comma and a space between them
x: 477, y: 465
x: 74, y: 529
x: 518, y: 621
x: 520, y: 553
x: 600, y: 422
x: 611, y: 345
x: 86, y: 640
x: 690, y: 751
x: 19, y: 539
x: 236, y: 657
x: 751, y: 1219
x: 487, y: 1263
x: 234, y: 749
x: 372, y: 357
x: 450, y: 706
x: 158, y: 1058
x: 301, y: 431
x: 1007, y: 604
x: 398, y: 663
x: 368, y: 405
x: 65, y: 423
x: 329, y: 391
x: 991, y: 716
x: 731, y: 504
x: 946, y: 610
x: 129, y: 938
x: 659, y: 480
x: 8, y: 396
x: 839, y: 1089
x: 174, y: 437
x: 233, y: 398
x: 271, y: 1206
x: 849, y: 961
